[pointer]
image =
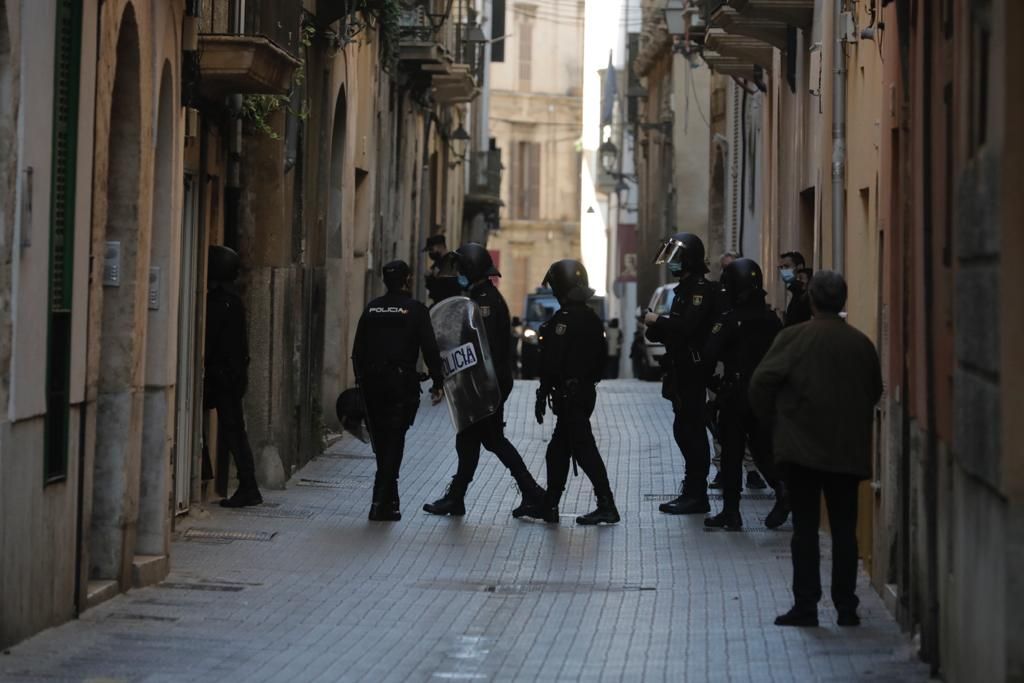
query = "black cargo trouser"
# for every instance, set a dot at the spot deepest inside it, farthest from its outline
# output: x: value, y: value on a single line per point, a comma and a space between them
x: 573, y: 439
x: 689, y: 430
x: 392, y: 400
x: 232, y: 437
x: 489, y: 433
x: 738, y: 428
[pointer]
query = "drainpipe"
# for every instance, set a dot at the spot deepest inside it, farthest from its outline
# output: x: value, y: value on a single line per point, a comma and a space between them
x: 838, y: 141
x: 233, y: 182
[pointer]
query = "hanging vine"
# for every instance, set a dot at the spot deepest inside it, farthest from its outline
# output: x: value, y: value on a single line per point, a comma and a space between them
x: 386, y: 17
x: 257, y: 109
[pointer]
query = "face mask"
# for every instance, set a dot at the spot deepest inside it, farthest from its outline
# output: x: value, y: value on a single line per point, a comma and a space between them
x: 463, y: 281
x: 787, y: 275
x: 675, y: 267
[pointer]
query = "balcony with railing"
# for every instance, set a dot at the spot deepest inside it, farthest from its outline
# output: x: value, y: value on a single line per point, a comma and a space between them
x: 440, y: 40
x: 483, y: 193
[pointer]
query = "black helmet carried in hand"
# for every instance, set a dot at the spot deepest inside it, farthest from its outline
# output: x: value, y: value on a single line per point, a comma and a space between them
x: 684, y: 253
x: 475, y: 262
x: 743, y: 281
x: 223, y: 264
x: 568, y: 280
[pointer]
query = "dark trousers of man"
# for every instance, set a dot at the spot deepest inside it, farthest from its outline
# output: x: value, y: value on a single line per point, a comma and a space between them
x: 389, y: 421
x: 573, y: 438
x: 231, y: 436
x: 490, y: 434
x: 612, y: 369
x: 688, y: 428
x: 738, y: 428
x: 805, y: 487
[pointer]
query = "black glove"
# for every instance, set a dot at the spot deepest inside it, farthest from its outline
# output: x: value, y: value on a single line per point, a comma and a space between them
x: 541, y: 406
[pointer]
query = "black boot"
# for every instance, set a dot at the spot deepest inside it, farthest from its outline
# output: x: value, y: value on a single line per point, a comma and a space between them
x: 605, y: 513
x: 396, y: 503
x: 384, y: 511
x: 246, y: 495
x: 532, y: 504
x: 693, y: 501
x: 798, y: 616
x: 729, y: 520
x: 452, y: 503
x: 755, y: 482
x: 779, y: 513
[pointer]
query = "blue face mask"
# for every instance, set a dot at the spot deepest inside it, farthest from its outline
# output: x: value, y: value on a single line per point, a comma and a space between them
x: 787, y: 275
x: 675, y: 267
x: 463, y: 281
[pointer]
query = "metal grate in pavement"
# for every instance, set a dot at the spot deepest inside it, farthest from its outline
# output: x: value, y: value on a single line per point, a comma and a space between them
x: 124, y: 616
x: 711, y: 496
x: 276, y: 512
x: 350, y: 483
x: 531, y: 587
x: 746, y: 530
x: 230, y: 535
x: 348, y: 456
x: 211, y: 587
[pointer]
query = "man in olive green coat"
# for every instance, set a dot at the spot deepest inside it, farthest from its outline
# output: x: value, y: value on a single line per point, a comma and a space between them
x: 818, y: 385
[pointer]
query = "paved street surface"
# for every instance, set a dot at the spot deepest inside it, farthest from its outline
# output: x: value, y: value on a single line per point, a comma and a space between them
x: 305, y: 589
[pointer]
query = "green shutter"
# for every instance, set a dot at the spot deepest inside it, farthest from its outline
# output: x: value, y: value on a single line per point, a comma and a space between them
x: 62, y: 232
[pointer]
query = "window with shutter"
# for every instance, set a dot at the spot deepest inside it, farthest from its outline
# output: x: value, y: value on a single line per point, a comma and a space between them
x: 62, y: 208
x: 533, y: 181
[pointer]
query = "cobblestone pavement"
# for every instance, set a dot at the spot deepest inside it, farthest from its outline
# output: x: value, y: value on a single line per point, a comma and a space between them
x: 314, y: 592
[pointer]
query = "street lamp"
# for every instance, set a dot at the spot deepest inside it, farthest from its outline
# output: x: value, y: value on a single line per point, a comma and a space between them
x: 609, y: 154
x: 461, y: 139
x: 674, y: 23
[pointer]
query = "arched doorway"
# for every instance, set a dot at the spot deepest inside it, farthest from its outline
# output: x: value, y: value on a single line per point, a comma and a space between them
x: 154, y: 522
x: 334, y: 350
x: 118, y: 397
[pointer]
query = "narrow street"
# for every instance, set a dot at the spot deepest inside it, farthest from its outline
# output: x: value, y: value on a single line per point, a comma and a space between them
x: 303, y: 588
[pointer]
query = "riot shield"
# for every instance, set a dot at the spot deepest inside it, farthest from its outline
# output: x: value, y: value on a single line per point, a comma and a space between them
x: 470, y: 382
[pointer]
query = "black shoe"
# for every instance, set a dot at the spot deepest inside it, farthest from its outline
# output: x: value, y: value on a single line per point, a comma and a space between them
x: 606, y: 513
x: 532, y: 504
x: 798, y: 617
x: 244, y: 497
x: 687, y: 505
x: 716, y: 483
x: 384, y: 512
x: 726, y: 519
x: 755, y: 481
x: 452, y: 503
x: 848, y: 617
x: 778, y: 515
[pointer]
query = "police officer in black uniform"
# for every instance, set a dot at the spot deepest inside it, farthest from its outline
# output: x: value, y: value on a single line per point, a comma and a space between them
x: 475, y: 271
x: 684, y: 332
x: 740, y: 339
x: 392, y: 333
x: 226, y: 374
x: 573, y: 355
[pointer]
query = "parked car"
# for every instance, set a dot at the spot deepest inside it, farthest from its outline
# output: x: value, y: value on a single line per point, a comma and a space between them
x: 539, y: 307
x: 645, y: 362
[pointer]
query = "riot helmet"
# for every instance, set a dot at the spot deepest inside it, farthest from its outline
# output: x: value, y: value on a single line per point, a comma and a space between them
x: 684, y: 253
x: 568, y: 280
x: 223, y: 265
x: 475, y: 262
x: 395, y: 275
x: 351, y: 412
x: 743, y: 281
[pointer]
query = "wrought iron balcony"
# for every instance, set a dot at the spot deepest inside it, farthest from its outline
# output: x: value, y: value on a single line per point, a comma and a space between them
x: 485, y: 177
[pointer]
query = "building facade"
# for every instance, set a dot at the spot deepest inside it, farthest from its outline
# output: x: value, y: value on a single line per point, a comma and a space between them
x: 536, y: 120
x: 317, y: 139
x: 877, y: 139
